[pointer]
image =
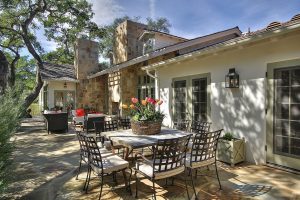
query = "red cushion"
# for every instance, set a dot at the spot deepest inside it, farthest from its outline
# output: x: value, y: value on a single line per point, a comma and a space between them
x: 80, y: 112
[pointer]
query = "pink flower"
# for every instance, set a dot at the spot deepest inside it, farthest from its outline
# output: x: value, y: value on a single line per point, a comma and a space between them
x: 150, y: 100
x: 134, y: 100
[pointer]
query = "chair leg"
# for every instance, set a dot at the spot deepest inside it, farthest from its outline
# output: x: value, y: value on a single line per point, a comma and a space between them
x: 154, y: 193
x: 101, y: 186
x: 88, y: 179
x: 172, y: 181
x: 186, y: 186
x: 115, y: 177
x: 79, y: 168
x: 136, y: 184
x: 129, y: 187
x: 125, y: 178
x: 193, y: 183
x: 218, y: 175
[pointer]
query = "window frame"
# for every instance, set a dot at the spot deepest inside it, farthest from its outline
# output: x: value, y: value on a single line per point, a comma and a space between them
x: 189, y: 96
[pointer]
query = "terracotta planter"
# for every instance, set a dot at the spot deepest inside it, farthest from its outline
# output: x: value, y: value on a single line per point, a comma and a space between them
x: 146, y: 127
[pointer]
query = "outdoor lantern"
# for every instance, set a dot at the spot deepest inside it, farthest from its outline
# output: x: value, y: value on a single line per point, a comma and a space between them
x: 232, y: 79
x: 65, y: 85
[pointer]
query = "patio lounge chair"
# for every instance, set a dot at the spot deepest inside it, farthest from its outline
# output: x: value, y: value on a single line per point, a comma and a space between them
x: 77, y: 120
x: 203, y: 154
x: 89, y: 121
x: 56, y: 121
x: 104, y: 165
x: 168, y: 157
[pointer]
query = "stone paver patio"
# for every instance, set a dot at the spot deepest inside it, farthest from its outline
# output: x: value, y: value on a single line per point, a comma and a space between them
x: 44, y: 167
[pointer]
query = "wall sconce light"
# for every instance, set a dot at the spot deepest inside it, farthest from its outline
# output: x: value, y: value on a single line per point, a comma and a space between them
x: 65, y: 85
x: 232, y: 79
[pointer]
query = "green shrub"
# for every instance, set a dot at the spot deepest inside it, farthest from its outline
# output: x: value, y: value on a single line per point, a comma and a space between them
x: 10, y: 116
x: 228, y: 136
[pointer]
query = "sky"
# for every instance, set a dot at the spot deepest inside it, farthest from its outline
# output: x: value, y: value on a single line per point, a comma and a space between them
x: 194, y: 18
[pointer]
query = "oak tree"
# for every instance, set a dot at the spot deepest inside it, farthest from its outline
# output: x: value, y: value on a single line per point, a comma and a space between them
x: 60, y: 21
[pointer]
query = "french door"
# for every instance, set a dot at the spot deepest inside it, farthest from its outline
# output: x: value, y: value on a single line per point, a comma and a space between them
x: 283, y: 132
x: 190, y: 98
x: 64, y: 99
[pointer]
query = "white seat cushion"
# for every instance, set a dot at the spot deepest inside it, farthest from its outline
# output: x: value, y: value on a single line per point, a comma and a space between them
x: 147, y: 169
x: 111, y: 164
x: 78, y: 119
x: 105, y: 153
x: 198, y: 163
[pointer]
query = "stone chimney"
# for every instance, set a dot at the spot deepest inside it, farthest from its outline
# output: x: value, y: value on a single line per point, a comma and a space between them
x: 86, y: 58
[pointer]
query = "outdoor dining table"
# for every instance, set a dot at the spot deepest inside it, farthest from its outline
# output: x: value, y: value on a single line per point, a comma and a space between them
x: 132, y: 141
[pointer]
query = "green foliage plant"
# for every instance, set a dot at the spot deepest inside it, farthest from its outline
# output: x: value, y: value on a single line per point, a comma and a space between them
x: 228, y: 136
x: 10, y: 116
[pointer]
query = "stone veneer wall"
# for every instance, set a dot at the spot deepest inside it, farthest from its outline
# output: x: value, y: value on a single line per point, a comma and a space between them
x: 92, y: 93
x: 126, y: 45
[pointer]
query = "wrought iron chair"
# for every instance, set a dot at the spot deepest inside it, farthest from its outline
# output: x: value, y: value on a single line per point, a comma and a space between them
x: 112, y: 126
x: 89, y: 121
x: 125, y: 123
x: 84, y: 154
x: 182, y: 125
x: 104, y: 165
x: 99, y: 128
x: 168, y: 157
x: 203, y: 154
x: 198, y: 127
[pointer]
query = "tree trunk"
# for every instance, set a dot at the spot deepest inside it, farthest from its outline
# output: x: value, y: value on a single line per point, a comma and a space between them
x: 3, y: 72
x: 12, y: 75
x: 35, y: 92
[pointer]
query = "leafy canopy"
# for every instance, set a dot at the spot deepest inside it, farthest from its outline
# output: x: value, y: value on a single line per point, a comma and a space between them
x: 60, y: 21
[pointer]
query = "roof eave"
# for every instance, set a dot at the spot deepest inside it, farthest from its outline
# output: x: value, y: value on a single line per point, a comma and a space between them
x: 61, y: 80
x: 225, y: 45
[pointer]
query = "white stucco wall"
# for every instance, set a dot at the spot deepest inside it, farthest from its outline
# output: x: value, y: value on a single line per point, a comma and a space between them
x: 241, y: 111
x: 58, y: 85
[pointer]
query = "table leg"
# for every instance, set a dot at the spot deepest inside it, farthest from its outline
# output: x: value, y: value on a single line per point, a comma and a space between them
x: 112, y: 147
x: 126, y: 154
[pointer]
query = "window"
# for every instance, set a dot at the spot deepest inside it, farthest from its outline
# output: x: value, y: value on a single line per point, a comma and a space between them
x: 190, y: 98
x: 146, y: 87
x: 148, y: 46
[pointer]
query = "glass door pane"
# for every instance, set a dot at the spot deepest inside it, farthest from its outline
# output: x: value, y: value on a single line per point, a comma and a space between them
x: 59, y: 99
x: 287, y: 112
x: 180, y: 98
x: 199, y: 99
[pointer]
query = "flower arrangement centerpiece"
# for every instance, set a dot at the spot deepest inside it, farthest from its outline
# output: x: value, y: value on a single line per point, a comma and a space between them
x: 145, y: 119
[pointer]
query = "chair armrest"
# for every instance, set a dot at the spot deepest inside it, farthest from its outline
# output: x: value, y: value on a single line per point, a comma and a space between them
x: 150, y: 162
